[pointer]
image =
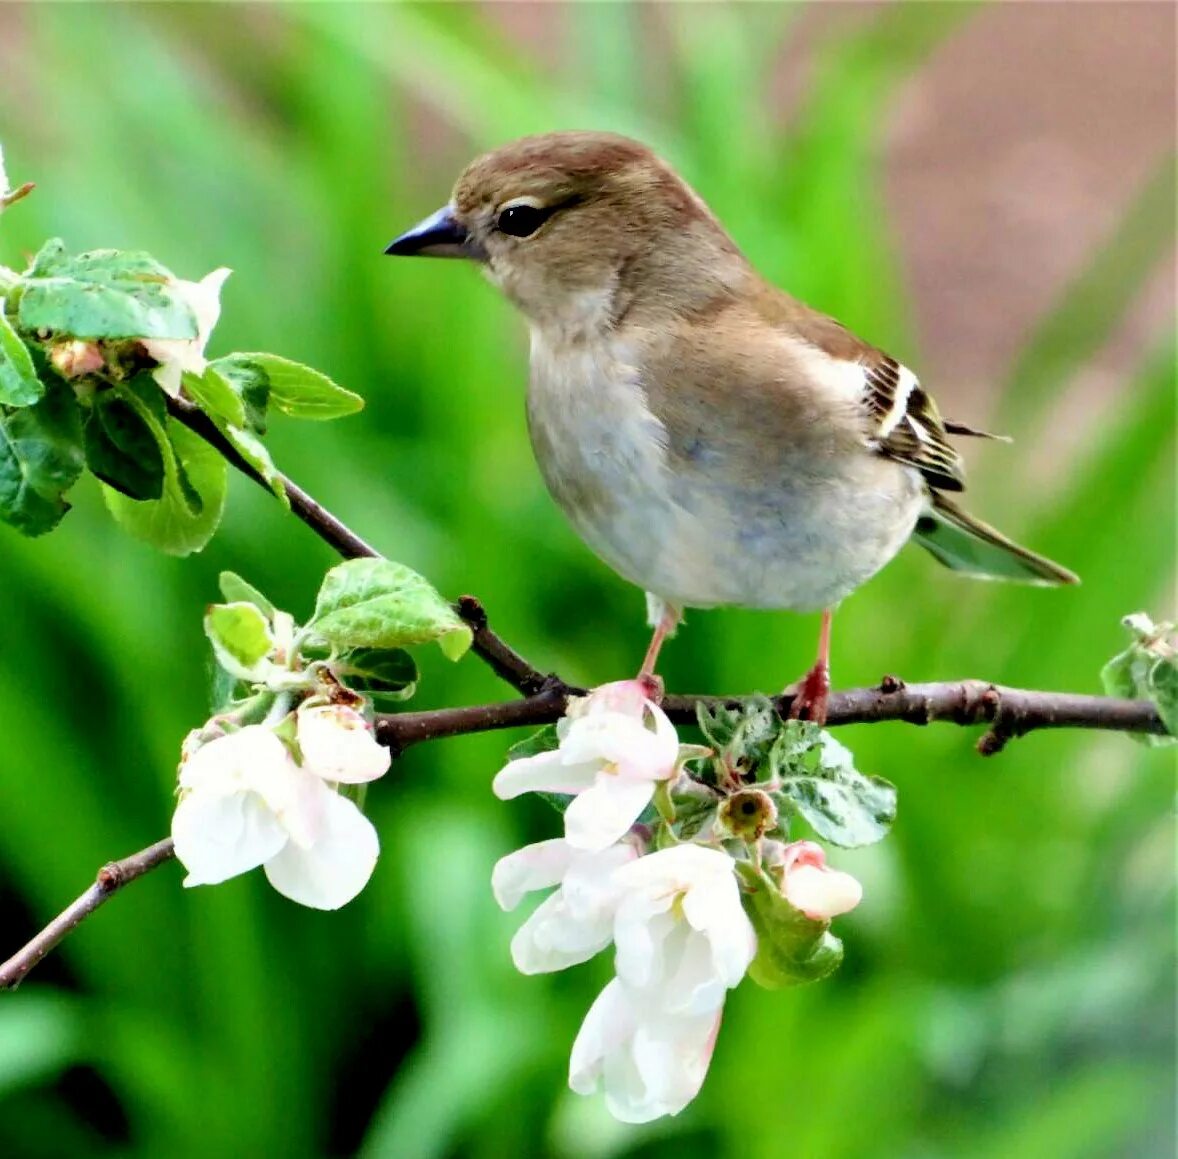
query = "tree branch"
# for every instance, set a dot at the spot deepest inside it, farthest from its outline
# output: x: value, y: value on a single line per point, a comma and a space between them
x: 109, y: 880
x: 1010, y: 712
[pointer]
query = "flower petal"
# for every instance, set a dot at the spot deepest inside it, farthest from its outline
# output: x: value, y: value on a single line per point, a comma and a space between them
x: 219, y: 835
x: 337, y: 866
x: 610, y: 1022
x: 543, y: 773
x: 338, y: 745
x: 533, y: 867
x: 821, y: 894
x: 554, y: 938
x: 604, y: 813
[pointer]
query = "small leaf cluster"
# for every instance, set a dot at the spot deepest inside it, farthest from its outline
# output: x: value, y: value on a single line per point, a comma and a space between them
x: 77, y: 393
x: 352, y: 649
x: 1148, y: 670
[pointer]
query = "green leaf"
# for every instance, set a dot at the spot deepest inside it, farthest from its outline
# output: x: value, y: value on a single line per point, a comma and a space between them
x: 215, y: 395
x: 301, y: 392
x: 240, y: 636
x: 543, y: 741
x: 375, y: 603
x: 121, y: 447
x: 40, y: 459
x: 102, y: 294
x: 389, y: 673
x: 19, y: 384
x: 816, y: 777
x: 792, y: 949
x: 236, y: 590
x: 251, y: 384
x: 255, y: 453
x: 192, y: 470
x: 1147, y: 670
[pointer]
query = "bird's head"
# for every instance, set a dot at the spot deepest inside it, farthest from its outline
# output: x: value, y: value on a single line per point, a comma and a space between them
x: 579, y: 227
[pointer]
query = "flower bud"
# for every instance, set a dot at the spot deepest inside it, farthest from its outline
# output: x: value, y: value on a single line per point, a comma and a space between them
x: 75, y: 358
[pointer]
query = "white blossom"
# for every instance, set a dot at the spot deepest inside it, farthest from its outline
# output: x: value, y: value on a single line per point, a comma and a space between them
x: 338, y: 744
x: 176, y: 355
x: 244, y: 802
x: 615, y: 745
x: 811, y: 886
x: 650, y: 1062
x: 681, y: 933
x: 575, y: 921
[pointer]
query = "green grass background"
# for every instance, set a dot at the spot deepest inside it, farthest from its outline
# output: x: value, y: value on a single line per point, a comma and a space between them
x: 1008, y: 986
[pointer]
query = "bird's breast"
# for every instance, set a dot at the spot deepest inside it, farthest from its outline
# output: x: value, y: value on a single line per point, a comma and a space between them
x: 689, y: 521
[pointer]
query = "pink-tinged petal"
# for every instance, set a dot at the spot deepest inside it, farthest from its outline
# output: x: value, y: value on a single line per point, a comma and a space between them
x: 651, y: 1064
x: 604, y: 813
x: 336, y: 867
x: 603, y: 737
x: 239, y: 760
x: 338, y: 745
x: 533, y: 867
x: 543, y: 773
x: 554, y: 938
x: 219, y: 836
x: 821, y: 894
x: 671, y: 1055
x: 627, y: 697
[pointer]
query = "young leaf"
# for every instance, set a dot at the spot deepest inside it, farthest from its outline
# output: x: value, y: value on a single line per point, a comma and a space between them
x: 19, y: 384
x: 236, y: 590
x: 240, y: 636
x: 375, y: 603
x: 301, y: 392
x: 40, y: 459
x: 1147, y: 670
x: 256, y: 454
x: 390, y: 673
x: 817, y: 778
x: 543, y: 741
x: 215, y: 395
x: 791, y: 948
x: 251, y: 384
x: 191, y: 469
x: 102, y: 294
x: 121, y: 447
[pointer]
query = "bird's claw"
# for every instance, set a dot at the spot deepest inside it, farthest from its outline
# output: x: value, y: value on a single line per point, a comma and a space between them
x: 813, y: 693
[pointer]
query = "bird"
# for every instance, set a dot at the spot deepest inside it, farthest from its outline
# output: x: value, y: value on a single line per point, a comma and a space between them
x: 713, y: 439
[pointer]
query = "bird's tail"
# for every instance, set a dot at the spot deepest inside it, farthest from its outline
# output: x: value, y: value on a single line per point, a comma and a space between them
x: 968, y: 545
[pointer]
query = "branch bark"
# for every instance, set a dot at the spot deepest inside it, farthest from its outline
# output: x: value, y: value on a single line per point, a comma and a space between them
x: 1010, y: 712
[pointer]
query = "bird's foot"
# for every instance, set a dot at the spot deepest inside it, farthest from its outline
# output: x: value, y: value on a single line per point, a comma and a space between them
x: 813, y: 692
x: 652, y: 687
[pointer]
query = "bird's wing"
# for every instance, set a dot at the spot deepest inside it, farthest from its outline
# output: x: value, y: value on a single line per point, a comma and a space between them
x: 901, y: 420
x: 904, y: 423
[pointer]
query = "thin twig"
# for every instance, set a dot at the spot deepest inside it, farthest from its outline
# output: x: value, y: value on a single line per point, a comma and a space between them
x: 109, y: 880
x: 503, y: 660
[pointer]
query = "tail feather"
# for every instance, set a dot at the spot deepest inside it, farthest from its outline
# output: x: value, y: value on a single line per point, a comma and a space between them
x: 968, y: 545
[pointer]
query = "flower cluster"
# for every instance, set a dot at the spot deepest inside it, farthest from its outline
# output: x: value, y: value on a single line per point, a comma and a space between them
x: 669, y: 896
x: 256, y: 797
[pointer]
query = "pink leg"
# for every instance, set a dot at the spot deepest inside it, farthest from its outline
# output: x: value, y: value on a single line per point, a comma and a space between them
x: 665, y: 626
x: 814, y: 690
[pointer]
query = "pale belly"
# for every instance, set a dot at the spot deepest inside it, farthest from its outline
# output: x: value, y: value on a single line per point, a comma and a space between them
x: 801, y: 536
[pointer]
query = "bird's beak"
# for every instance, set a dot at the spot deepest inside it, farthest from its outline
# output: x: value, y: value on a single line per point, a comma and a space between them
x: 440, y: 235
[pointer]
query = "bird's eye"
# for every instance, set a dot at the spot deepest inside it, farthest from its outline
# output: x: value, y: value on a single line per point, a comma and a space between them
x: 522, y: 220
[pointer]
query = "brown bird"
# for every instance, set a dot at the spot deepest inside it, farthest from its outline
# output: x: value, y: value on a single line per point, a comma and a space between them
x: 714, y: 440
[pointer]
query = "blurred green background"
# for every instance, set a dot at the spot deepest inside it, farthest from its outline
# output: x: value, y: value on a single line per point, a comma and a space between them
x: 987, y: 192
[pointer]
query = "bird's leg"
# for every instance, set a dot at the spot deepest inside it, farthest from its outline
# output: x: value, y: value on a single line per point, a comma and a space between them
x: 665, y: 618
x: 813, y: 692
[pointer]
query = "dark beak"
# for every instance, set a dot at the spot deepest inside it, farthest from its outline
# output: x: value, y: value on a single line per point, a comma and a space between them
x: 439, y: 236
